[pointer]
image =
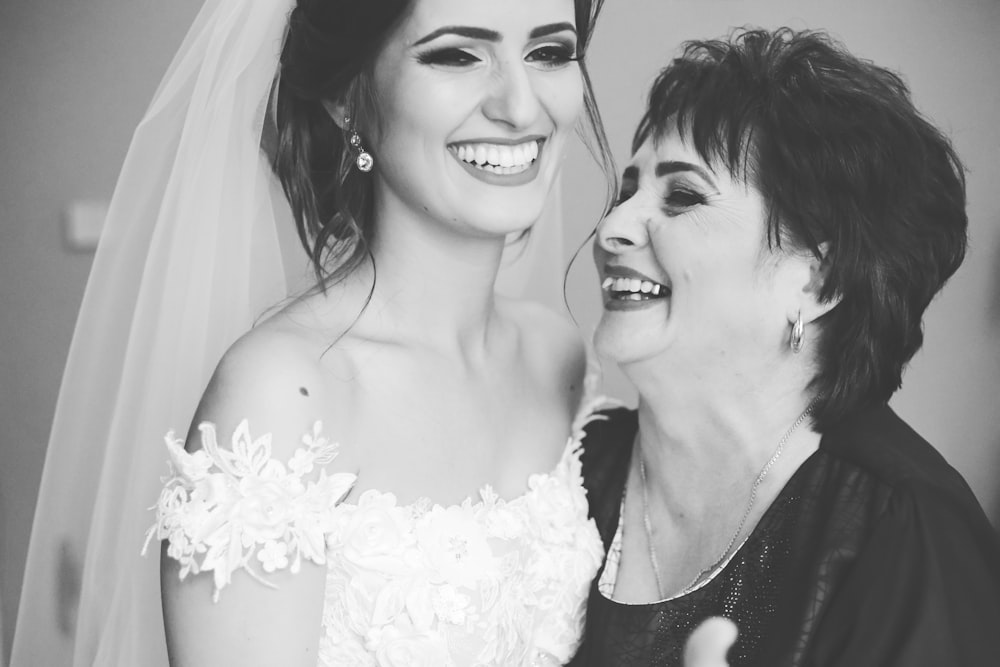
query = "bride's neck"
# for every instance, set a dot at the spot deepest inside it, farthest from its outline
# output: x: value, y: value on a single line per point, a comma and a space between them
x: 434, y: 290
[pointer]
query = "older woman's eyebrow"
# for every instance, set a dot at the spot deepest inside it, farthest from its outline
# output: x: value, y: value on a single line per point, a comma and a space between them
x: 462, y: 31
x: 674, y: 166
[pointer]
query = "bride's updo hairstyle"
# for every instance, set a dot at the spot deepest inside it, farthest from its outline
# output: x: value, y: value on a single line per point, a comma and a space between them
x: 328, y: 56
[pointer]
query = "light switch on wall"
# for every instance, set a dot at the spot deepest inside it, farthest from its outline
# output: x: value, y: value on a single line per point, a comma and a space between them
x: 84, y: 221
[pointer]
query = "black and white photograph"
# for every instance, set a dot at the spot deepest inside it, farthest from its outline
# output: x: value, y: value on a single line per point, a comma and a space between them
x: 500, y: 333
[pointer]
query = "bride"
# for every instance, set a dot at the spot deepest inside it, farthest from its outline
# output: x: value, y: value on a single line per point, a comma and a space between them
x: 385, y: 470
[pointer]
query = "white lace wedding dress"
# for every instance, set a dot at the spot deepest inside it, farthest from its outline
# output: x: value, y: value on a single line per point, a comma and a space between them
x: 488, y: 582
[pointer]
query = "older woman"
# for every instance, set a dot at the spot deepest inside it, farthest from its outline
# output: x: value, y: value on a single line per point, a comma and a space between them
x: 786, y: 218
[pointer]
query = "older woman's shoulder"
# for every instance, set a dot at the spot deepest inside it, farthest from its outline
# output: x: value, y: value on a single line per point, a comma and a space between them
x: 884, y: 446
x: 910, y: 552
x: 610, y: 433
x: 911, y: 493
x: 605, y: 455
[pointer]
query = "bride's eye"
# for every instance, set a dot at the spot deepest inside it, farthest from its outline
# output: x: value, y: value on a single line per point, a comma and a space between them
x: 447, y: 57
x: 553, y: 55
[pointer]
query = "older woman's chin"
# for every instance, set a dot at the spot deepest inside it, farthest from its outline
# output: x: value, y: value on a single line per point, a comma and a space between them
x: 621, y: 344
x: 604, y: 349
x: 608, y: 340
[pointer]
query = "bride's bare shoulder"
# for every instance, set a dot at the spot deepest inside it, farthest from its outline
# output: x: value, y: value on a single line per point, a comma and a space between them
x: 276, y: 377
x: 552, y: 345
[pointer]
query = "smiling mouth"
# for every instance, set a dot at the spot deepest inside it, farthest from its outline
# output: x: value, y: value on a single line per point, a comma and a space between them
x: 633, y: 289
x: 498, y: 158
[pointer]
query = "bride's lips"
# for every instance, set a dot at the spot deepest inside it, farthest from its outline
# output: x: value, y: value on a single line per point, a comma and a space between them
x: 500, y: 161
x: 627, y: 289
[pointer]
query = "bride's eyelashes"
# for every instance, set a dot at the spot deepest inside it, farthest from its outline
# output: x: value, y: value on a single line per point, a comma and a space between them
x: 448, y: 57
x: 556, y: 54
x: 548, y: 56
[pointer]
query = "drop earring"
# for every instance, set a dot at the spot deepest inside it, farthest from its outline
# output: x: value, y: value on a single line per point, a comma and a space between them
x: 798, y: 335
x: 364, y: 160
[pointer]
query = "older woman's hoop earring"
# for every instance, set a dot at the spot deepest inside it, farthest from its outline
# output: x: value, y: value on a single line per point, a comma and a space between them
x: 365, y: 161
x: 798, y: 336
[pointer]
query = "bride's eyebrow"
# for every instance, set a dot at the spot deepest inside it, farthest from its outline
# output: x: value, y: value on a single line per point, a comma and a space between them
x: 551, y: 28
x: 488, y: 35
x: 461, y: 31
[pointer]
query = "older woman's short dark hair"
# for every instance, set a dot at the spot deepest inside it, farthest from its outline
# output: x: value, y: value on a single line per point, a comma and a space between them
x: 849, y: 171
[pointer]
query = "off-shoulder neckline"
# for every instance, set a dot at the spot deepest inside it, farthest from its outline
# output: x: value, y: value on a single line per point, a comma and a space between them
x: 589, y: 410
x: 484, y: 495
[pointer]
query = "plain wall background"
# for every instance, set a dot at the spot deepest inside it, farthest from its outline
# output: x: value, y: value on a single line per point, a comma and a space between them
x: 75, y: 78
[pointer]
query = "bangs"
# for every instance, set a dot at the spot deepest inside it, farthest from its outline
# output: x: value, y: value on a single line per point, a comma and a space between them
x: 710, y: 108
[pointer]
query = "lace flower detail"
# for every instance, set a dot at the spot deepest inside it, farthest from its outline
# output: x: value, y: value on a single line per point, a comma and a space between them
x: 220, y: 509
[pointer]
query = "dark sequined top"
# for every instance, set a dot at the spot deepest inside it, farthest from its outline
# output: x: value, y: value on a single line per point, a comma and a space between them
x: 874, y: 553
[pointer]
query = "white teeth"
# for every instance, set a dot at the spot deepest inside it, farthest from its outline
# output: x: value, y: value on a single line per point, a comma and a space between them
x: 632, y: 289
x: 502, y: 170
x: 498, y: 157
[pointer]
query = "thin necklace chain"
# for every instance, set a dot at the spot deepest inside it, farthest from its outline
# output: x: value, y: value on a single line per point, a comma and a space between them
x: 647, y: 524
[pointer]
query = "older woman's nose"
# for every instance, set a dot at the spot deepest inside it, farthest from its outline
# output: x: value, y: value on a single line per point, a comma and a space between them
x: 623, y: 228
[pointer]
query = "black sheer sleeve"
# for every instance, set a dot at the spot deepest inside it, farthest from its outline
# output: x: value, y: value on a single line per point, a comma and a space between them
x: 924, y: 591
x: 607, y: 449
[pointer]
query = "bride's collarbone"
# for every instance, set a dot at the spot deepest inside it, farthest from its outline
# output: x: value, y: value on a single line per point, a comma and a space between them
x: 418, y: 424
x: 418, y: 439
x: 428, y: 393
x: 447, y: 453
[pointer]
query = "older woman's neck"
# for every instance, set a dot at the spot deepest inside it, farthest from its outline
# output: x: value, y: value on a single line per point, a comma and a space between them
x: 702, y: 430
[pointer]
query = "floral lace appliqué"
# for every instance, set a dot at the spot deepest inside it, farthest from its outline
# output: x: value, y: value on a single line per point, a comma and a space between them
x: 221, y: 510
x: 483, y: 583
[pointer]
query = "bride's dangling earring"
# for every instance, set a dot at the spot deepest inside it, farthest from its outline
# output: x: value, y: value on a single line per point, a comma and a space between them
x: 364, y: 160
